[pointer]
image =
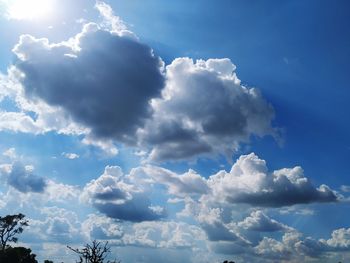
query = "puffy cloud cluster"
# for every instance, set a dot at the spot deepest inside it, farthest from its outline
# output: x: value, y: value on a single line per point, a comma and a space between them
x: 102, y: 227
x: 164, y: 235
x: 130, y: 220
x: 258, y: 221
x: 340, y: 239
x: 249, y: 182
x: 114, y: 196
x: 293, y: 246
x: 103, y: 80
x: 204, y: 108
x: 106, y: 84
x: 60, y: 225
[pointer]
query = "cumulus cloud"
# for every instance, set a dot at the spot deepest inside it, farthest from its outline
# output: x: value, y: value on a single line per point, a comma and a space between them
x: 249, y: 182
x: 114, y: 196
x: 105, y: 79
x: 111, y: 86
x: 203, y: 109
x: 183, y: 185
x: 258, y: 221
x: 294, y: 246
x: 270, y: 248
x: 102, y: 227
x: 340, y: 239
x: 18, y: 122
x: 30, y: 116
x: 60, y: 225
x: 59, y: 192
x: 22, y: 179
x: 170, y: 234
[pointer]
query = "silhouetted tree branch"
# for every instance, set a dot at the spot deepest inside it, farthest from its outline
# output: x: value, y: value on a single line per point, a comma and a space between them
x: 94, y: 253
x: 10, y: 226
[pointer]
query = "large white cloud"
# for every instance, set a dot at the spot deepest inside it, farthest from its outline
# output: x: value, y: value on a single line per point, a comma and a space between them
x: 203, y: 109
x: 106, y: 84
x: 250, y: 182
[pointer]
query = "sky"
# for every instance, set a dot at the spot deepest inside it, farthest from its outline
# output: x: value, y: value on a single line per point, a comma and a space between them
x: 192, y: 131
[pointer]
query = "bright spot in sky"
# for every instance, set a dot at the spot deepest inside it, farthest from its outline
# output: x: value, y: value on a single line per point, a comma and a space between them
x: 28, y: 9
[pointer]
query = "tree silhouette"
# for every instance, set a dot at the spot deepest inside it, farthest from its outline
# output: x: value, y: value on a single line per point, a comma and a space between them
x: 94, y: 253
x: 17, y: 255
x: 10, y: 227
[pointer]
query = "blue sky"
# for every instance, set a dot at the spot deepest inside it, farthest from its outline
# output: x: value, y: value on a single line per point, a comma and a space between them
x: 203, y: 130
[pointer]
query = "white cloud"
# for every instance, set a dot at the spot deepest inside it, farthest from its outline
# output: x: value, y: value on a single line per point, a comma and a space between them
x: 107, y: 146
x: 204, y: 109
x: 340, y: 239
x: 273, y: 249
x: 110, y: 21
x: 249, y: 182
x: 164, y: 235
x: 139, y: 98
x: 59, y: 192
x: 10, y: 153
x: 102, y: 227
x: 60, y: 225
x: 114, y: 196
x: 258, y: 221
x: 70, y: 156
x: 189, y: 183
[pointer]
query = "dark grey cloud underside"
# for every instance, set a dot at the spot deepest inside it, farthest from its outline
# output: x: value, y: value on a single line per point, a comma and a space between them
x: 285, y: 197
x: 24, y: 181
x: 135, y: 210
x: 107, y: 87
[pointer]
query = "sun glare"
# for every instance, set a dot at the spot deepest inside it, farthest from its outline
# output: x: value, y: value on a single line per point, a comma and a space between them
x: 29, y: 9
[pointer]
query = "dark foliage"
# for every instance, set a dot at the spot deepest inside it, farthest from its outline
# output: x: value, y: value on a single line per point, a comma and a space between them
x: 17, y: 255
